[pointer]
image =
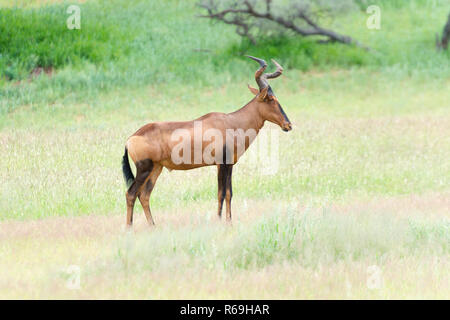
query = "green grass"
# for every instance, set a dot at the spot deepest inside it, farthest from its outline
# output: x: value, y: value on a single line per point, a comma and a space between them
x: 363, y: 178
x: 388, y: 139
x: 309, y: 239
x: 356, y: 130
x: 160, y: 48
x: 39, y: 37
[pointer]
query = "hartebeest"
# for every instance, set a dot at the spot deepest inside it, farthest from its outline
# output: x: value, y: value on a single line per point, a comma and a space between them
x: 162, y: 144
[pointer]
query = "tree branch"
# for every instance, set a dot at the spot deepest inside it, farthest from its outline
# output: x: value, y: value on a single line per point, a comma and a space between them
x: 247, y: 10
x: 443, y: 43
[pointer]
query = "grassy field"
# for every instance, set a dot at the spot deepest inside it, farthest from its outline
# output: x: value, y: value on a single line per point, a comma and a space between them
x: 359, y: 207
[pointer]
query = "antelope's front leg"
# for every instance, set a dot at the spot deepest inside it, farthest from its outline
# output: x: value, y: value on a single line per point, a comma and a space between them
x: 221, y: 181
x: 228, y: 190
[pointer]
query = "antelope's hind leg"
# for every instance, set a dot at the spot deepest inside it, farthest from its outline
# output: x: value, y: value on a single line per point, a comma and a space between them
x: 143, y: 170
x: 147, y: 188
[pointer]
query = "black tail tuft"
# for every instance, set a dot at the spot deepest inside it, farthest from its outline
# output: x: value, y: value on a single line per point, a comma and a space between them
x: 126, y: 169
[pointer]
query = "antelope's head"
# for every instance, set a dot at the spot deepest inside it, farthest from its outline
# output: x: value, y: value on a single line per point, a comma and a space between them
x: 268, y: 105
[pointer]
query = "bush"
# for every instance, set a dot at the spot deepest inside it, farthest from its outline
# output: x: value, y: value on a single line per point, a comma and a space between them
x: 303, y: 54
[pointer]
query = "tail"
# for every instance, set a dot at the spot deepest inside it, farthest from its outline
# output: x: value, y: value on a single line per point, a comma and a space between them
x: 126, y: 169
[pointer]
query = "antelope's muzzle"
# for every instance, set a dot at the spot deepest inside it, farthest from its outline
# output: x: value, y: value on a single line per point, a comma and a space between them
x: 287, y: 126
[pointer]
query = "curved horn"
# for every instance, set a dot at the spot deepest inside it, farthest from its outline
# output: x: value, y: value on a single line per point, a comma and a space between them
x: 262, y: 83
x: 275, y: 74
x: 260, y: 77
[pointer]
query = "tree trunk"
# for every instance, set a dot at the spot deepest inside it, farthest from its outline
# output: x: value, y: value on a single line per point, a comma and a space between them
x: 443, y: 43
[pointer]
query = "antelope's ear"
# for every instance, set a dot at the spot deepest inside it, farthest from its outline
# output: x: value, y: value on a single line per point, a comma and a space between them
x: 263, y: 94
x: 253, y: 90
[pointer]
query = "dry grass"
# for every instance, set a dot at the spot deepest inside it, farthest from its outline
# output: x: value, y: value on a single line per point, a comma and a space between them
x: 144, y: 264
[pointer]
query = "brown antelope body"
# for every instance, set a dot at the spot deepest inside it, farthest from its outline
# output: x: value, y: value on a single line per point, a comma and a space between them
x: 153, y: 146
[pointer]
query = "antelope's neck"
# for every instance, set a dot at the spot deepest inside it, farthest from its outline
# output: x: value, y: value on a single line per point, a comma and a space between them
x: 247, y: 117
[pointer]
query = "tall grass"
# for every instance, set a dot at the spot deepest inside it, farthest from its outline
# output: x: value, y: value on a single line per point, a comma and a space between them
x: 285, y: 252
x: 390, y: 139
x: 39, y: 37
x: 357, y: 130
x: 308, y: 239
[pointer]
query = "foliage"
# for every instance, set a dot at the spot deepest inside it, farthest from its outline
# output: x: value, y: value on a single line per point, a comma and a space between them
x: 261, y: 18
x: 165, y: 43
x: 39, y: 38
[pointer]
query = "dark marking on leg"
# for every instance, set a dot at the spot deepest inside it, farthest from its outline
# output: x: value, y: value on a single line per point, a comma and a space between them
x: 229, y: 190
x: 147, y: 188
x: 143, y: 169
x: 221, y: 180
x: 228, y: 155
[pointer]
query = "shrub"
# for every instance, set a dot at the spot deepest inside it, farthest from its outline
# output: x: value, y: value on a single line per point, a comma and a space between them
x: 39, y: 38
